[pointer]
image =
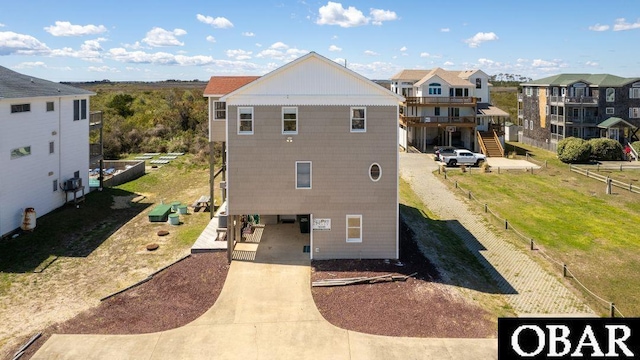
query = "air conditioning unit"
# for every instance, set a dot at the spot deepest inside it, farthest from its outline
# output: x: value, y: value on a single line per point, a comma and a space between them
x: 73, y: 184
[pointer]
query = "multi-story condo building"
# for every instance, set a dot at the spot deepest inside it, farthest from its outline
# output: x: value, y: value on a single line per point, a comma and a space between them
x: 446, y: 107
x: 313, y: 141
x: 579, y: 105
x: 45, y: 153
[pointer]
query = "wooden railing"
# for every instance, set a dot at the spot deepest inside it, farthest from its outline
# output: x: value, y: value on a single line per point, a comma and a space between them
x: 441, y: 100
x: 410, y: 120
x: 497, y: 139
x: 483, y: 147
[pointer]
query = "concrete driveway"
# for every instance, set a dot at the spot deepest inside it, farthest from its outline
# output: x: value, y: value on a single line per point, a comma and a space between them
x: 265, y: 311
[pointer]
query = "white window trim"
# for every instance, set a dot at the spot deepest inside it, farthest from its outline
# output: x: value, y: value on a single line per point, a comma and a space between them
x: 310, y: 175
x: 610, y: 111
x: 215, y: 111
x: 252, y: 121
x: 353, y: 240
x: 351, y: 119
x: 379, y: 176
x: 634, y: 113
x: 283, y: 120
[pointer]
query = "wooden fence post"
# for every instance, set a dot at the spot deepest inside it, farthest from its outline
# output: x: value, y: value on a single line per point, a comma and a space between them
x: 532, y: 248
x: 612, y: 310
x: 469, y: 195
x: 564, y: 270
x: 506, y: 224
x: 486, y: 208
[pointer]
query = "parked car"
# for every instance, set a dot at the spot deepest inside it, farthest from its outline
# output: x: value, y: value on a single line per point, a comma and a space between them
x: 464, y: 157
x: 444, y: 151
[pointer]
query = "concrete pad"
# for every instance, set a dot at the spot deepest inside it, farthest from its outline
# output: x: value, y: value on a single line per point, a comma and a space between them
x: 98, y: 347
x: 304, y: 340
x: 207, y: 342
x: 511, y: 164
x: 366, y: 346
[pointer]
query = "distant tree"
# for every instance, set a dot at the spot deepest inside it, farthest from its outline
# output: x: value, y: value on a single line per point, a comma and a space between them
x: 121, y: 103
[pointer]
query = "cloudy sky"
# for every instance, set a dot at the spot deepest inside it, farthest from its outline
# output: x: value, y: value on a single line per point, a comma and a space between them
x: 145, y: 40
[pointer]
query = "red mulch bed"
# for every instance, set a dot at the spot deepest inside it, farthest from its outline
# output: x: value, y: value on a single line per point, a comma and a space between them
x: 173, y: 298
x: 419, y: 307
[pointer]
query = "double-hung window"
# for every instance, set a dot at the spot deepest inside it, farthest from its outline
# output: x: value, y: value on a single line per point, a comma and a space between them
x: 289, y: 120
x: 220, y: 110
x: 358, y: 119
x: 634, y: 113
x: 50, y: 106
x: 245, y: 121
x: 303, y: 174
x: 634, y: 92
x: 354, y: 228
x: 79, y: 109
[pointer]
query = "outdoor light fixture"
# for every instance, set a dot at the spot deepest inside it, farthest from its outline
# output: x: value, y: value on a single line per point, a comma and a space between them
x: 289, y: 139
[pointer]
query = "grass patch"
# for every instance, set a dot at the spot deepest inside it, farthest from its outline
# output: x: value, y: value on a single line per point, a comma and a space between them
x: 450, y: 255
x: 572, y: 218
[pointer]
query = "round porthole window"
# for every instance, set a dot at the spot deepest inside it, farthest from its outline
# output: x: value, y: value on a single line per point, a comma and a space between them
x: 375, y: 172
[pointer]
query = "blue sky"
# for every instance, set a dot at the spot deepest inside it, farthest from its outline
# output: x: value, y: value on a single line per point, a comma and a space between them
x: 142, y: 40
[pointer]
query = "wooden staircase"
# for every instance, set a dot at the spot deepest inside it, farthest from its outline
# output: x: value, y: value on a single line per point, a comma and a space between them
x: 490, y: 144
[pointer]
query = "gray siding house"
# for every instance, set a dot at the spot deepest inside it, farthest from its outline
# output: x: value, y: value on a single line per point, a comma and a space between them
x: 316, y: 139
x: 579, y: 105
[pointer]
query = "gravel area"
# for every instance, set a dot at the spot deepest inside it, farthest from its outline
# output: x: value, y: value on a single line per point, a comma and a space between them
x: 173, y: 298
x: 418, y: 307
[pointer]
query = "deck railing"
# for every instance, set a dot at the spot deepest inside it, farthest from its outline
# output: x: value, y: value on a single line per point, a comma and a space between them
x: 440, y: 100
x: 409, y: 120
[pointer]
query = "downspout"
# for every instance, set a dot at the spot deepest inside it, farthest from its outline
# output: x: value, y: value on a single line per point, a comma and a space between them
x: 60, y: 145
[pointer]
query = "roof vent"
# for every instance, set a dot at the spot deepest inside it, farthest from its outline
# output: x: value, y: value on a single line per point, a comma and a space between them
x: 32, y: 81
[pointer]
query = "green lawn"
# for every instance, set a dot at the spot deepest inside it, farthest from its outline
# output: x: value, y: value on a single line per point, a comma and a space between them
x: 571, y: 218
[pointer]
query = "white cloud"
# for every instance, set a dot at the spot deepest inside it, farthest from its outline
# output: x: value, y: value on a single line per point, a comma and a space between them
x: 592, y: 63
x: 248, y: 34
x: 31, y: 65
x: 521, y: 60
x: 334, y: 14
x: 20, y: 44
x: 379, y: 15
x: 211, y: 39
x: 158, y: 58
x: 543, y: 63
x: 281, y: 51
x: 370, y: 53
x: 448, y: 63
x: 445, y: 30
x: 479, y: 38
x: 334, y: 37
x: 598, y: 27
x: 279, y: 46
x: 334, y: 48
x: 375, y: 70
x: 239, y: 54
x: 65, y: 28
x: 103, y: 69
x: 258, y: 45
x: 219, y: 22
x: 340, y: 61
x: 135, y: 46
x: 486, y: 62
x: 621, y: 24
x: 158, y: 37
x: 424, y: 55
x: 2, y: 25
x: 404, y: 48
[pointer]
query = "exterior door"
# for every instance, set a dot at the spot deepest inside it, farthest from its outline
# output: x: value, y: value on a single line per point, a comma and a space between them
x: 614, y: 133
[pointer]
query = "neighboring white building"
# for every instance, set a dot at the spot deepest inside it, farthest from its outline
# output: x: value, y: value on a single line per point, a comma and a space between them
x: 446, y: 107
x: 44, y: 141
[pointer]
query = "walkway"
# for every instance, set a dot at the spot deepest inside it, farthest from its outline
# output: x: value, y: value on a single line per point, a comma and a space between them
x: 265, y: 311
x: 536, y: 291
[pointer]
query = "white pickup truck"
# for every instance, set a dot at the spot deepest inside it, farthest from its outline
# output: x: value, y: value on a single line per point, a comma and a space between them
x: 463, y: 157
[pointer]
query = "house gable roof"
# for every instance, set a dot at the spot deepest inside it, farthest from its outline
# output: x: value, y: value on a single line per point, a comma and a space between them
x: 410, y: 75
x: 312, y: 80
x: 222, y: 85
x: 450, y: 77
x: 610, y: 122
x: 14, y: 85
x: 600, y: 80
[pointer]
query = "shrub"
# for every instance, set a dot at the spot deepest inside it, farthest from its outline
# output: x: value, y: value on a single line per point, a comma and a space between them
x: 606, y: 149
x: 636, y: 146
x: 574, y: 150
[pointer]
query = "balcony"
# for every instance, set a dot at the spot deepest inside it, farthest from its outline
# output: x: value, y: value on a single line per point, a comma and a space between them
x: 434, y: 121
x: 573, y: 100
x: 95, y: 120
x: 589, y: 120
x: 519, y: 97
x: 557, y: 118
x: 441, y: 100
x: 520, y: 113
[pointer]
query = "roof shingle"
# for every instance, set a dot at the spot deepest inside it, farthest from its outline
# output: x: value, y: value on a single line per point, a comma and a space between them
x: 223, y: 85
x: 14, y: 85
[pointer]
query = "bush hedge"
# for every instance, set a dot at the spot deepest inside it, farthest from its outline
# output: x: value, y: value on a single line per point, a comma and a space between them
x: 604, y: 149
x: 574, y: 150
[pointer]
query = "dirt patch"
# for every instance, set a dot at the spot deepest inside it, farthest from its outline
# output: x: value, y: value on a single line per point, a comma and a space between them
x: 423, y: 306
x: 173, y: 298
